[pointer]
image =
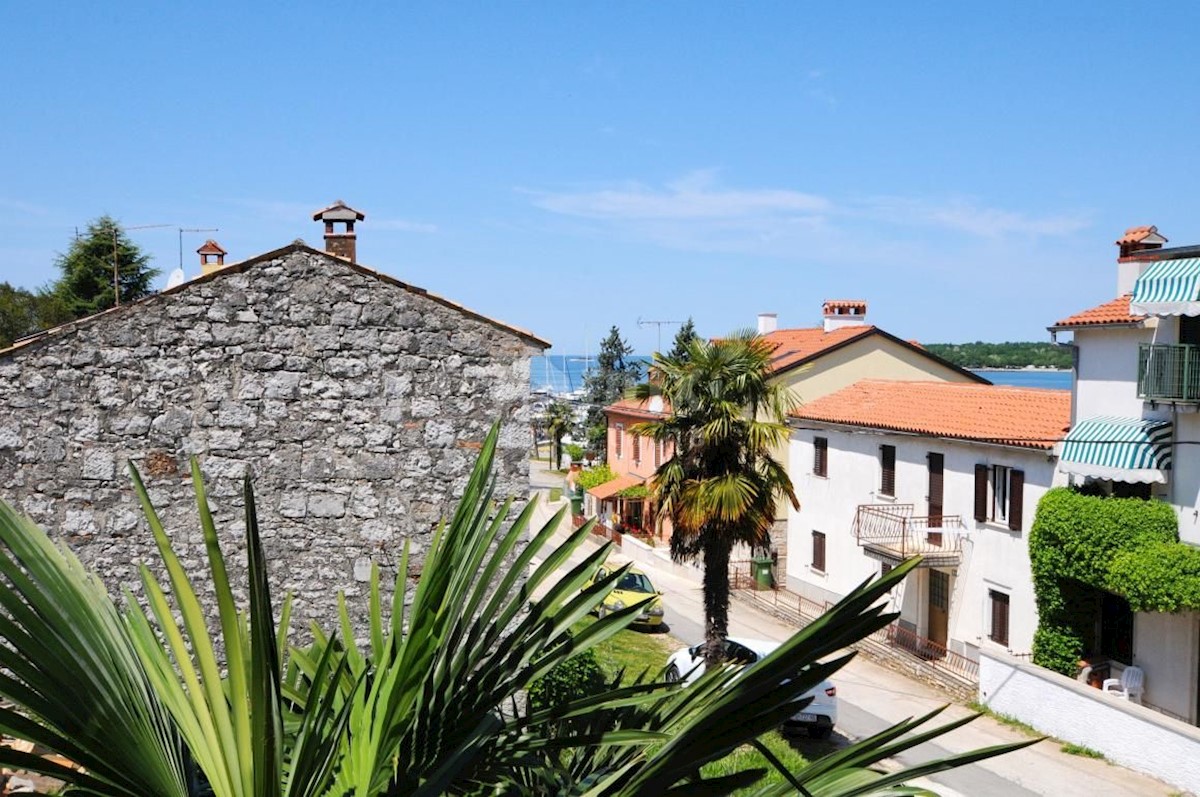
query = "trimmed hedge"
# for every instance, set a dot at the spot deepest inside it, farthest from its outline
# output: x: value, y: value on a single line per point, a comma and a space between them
x: 594, y: 477
x: 1083, y: 543
x: 578, y: 677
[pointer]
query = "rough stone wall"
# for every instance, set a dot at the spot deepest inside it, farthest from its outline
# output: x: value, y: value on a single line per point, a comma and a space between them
x: 358, y: 406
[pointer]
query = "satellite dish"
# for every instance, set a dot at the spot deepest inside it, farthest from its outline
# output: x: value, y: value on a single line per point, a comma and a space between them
x: 175, y: 279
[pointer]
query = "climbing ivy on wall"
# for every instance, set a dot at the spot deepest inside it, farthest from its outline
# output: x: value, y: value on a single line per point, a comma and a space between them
x: 1083, y: 543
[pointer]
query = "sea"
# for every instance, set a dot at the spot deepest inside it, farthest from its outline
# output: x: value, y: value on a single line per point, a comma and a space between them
x: 563, y: 374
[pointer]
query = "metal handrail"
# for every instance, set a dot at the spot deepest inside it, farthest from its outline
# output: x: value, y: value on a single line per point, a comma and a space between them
x: 895, y: 527
x: 1169, y: 371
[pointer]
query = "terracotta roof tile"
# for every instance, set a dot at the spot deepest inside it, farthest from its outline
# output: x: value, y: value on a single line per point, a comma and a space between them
x: 611, y: 488
x: 639, y: 408
x: 1112, y: 312
x: 851, y: 303
x: 1014, y: 416
x: 796, y: 345
x: 1135, y: 234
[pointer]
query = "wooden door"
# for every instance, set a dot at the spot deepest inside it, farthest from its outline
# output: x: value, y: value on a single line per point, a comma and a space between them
x: 939, y: 611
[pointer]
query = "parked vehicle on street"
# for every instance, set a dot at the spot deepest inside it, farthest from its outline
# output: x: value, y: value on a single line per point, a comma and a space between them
x: 818, y: 717
x: 634, y: 586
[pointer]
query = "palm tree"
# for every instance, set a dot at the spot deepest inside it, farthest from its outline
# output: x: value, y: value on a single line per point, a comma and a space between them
x: 429, y: 703
x: 558, y: 422
x: 721, y: 486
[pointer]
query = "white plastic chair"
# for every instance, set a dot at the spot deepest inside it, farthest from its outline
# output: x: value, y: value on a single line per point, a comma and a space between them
x: 1128, y: 687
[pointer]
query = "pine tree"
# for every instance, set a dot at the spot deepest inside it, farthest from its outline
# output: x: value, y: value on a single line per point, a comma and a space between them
x: 86, y: 284
x: 685, y: 335
x: 613, y: 375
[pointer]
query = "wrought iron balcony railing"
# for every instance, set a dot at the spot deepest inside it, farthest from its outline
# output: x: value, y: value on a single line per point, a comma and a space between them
x: 1169, y: 372
x: 891, y: 533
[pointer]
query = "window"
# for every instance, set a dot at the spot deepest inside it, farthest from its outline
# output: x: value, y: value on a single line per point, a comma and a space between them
x: 818, y: 551
x: 820, y: 456
x: 887, y: 461
x: 658, y: 447
x: 999, y: 606
x: 620, y: 433
x: 1000, y: 495
x: 636, y: 443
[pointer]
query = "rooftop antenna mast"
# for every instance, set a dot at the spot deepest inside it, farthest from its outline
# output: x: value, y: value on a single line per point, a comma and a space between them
x: 116, y: 261
x: 658, y: 324
x: 182, y: 230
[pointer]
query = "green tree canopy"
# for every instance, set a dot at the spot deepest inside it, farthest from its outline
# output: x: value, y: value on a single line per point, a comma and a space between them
x: 23, y: 312
x: 721, y: 486
x: 683, y: 338
x: 613, y: 375
x: 85, y: 284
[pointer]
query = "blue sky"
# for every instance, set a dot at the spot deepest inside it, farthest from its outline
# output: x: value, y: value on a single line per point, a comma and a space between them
x: 964, y: 167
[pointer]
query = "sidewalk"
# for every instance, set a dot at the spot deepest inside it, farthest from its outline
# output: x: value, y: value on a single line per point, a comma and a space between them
x: 872, y: 697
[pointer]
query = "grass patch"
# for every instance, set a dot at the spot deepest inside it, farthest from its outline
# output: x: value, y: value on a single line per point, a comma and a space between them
x: 1080, y: 750
x: 555, y: 493
x: 1005, y: 719
x: 632, y: 650
x: 748, y: 757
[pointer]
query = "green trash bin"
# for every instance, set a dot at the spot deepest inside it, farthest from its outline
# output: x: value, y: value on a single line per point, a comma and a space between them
x: 760, y: 569
x: 576, y: 504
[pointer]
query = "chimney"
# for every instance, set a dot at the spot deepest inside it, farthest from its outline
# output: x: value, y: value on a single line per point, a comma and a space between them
x: 340, y: 244
x: 1132, y: 261
x: 840, y: 313
x: 767, y: 323
x: 212, y: 256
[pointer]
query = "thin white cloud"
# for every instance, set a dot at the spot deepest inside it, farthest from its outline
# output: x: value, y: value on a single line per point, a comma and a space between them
x: 19, y: 206
x: 694, y: 196
x: 963, y: 215
x: 694, y: 213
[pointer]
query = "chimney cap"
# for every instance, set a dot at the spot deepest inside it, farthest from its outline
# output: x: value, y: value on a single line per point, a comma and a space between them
x: 1146, y: 234
x: 211, y: 247
x: 338, y: 211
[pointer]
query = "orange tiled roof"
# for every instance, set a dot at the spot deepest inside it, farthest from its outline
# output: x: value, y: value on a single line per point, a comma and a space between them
x: 793, y: 346
x: 1135, y: 234
x: 851, y: 303
x: 638, y: 408
x: 611, y: 488
x: 1014, y: 416
x: 1113, y: 312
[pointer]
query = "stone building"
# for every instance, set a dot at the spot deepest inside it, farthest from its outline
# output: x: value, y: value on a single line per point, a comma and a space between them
x: 356, y: 401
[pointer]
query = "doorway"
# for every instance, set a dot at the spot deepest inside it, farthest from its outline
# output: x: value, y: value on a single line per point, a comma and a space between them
x: 939, y: 611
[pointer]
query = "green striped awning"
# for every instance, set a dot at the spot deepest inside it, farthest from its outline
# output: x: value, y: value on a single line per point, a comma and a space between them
x: 1168, y: 287
x: 1120, y: 449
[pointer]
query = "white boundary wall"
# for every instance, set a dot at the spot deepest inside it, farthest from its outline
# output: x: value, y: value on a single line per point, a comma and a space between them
x: 1127, y: 734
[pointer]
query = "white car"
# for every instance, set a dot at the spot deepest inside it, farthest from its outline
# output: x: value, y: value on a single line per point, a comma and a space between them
x: 818, y: 717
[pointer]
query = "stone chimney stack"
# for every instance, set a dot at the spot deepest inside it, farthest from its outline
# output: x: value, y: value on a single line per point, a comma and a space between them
x: 1131, y: 261
x: 767, y: 323
x: 340, y: 243
x: 840, y: 313
x: 212, y: 256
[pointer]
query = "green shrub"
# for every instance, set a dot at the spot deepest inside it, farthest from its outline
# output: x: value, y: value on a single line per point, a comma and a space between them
x: 574, y: 451
x: 1082, y: 543
x: 578, y: 677
x: 594, y: 477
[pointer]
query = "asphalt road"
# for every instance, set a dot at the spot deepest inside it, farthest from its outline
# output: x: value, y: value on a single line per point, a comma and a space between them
x: 872, y: 697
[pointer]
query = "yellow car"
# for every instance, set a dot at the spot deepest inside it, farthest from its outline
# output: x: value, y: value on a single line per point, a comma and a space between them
x: 634, y: 586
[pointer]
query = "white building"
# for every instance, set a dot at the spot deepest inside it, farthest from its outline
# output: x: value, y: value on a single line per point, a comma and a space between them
x: 953, y: 472
x: 1135, y: 432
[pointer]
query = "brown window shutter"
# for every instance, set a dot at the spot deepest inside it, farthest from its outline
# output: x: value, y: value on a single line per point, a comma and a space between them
x: 1016, y: 502
x: 820, y: 456
x: 887, y: 484
x: 981, y: 492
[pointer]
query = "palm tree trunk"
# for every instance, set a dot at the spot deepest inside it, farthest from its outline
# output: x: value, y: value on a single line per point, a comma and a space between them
x: 716, y: 598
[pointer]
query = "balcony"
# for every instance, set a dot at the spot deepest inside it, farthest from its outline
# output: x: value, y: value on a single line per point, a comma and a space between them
x: 1168, y: 372
x: 891, y: 533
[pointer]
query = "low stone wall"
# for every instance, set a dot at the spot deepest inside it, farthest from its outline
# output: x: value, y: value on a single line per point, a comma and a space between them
x: 1133, y: 736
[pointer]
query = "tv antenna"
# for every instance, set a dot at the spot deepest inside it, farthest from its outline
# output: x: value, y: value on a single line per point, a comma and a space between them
x: 182, y: 230
x: 116, y: 260
x: 658, y: 324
